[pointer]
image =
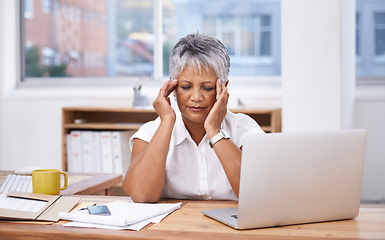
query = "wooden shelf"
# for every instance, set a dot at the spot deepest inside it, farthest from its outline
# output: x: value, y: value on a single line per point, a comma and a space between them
x: 268, y: 119
x: 107, y: 126
x: 125, y: 118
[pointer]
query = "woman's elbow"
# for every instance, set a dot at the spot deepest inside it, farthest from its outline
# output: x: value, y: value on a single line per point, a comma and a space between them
x: 139, y: 196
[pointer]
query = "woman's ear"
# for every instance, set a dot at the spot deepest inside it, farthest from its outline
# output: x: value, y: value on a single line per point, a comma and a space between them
x: 174, y: 92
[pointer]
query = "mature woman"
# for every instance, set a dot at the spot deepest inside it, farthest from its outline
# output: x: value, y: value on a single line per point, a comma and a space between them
x: 193, y: 149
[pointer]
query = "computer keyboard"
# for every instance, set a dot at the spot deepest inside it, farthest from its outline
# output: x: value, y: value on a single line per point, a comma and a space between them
x: 18, y: 183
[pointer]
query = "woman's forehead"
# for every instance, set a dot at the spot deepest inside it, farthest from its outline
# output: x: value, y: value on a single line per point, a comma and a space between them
x: 192, y: 72
x: 191, y: 76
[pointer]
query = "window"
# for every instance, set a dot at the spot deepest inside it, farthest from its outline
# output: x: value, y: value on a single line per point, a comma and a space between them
x: 132, y: 39
x: 370, y: 41
x: 248, y: 42
x: 28, y: 9
x: 104, y: 39
x: 379, y: 29
x: 243, y: 36
x: 250, y: 30
x: 46, y: 6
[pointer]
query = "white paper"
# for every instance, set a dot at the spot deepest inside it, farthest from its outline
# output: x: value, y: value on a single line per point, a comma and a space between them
x: 97, y: 219
x: 123, y: 214
x: 21, y: 204
x: 136, y: 226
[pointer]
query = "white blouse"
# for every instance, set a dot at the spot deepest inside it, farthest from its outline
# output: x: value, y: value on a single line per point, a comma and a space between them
x: 195, y: 172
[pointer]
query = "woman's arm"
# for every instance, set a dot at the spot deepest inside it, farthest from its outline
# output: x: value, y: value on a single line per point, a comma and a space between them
x: 230, y: 157
x: 227, y: 152
x: 144, y: 179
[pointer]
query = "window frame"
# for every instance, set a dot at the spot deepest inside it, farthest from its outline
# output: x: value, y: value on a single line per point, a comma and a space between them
x: 63, y: 82
x: 156, y: 78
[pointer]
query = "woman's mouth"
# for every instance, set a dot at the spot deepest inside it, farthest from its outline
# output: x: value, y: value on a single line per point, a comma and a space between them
x: 196, y: 109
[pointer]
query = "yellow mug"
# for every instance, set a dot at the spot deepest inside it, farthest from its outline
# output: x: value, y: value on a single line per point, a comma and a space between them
x: 47, y: 181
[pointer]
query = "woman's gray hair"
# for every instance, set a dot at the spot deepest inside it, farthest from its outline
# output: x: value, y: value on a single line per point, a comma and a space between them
x: 200, y: 50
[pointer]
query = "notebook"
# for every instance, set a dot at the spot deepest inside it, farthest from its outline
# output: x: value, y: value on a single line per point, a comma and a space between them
x: 294, y: 178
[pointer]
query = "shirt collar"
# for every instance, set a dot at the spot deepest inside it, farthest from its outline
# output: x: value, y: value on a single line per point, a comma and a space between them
x: 180, y: 130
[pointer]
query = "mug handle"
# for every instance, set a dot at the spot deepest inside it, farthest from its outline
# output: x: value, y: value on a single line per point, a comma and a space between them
x: 65, y: 180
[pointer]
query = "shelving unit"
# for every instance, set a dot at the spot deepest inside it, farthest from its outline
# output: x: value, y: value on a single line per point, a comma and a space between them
x: 124, y: 118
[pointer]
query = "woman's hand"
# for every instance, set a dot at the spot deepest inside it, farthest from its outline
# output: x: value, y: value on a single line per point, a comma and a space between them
x: 162, y: 104
x: 145, y: 177
x: 218, y: 112
x: 227, y: 152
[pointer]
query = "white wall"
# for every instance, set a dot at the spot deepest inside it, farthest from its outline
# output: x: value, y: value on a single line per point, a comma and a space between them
x: 369, y: 113
x: 318, y: 68
x: 318, y: 81
x: 30, y: 119
x: 31, y: 127
x: 1, y: 66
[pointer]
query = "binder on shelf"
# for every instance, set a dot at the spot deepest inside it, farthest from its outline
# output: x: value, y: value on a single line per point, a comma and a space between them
x: 87, y: 156
x: 75, y: 164
x: 106, y: 151
x: 68, y: 151
x: 96, y: 152
x: 121, y: 153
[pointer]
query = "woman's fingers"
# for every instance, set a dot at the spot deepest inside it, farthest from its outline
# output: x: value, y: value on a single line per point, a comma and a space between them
x: 219, y: 88
x: 225, y: 95
x: 164, y: 89
x: 219, y: 109
x: 162, y: 103
x: 171, y: 86
x: 222, y: 94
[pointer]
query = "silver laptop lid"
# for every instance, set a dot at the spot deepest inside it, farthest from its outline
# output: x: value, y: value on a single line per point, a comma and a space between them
x: 289, y: 178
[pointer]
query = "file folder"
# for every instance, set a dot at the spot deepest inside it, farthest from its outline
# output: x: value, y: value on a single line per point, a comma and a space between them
x: 42, y: 207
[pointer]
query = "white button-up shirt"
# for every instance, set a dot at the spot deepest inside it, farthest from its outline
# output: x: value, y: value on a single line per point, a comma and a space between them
x: 195, y: 172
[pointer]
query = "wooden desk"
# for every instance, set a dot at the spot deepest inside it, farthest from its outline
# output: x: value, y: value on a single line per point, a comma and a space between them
x: 84, y: 183
x: 189, y: 223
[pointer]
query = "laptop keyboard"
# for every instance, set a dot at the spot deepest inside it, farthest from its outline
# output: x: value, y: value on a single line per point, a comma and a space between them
x: 17, y: 183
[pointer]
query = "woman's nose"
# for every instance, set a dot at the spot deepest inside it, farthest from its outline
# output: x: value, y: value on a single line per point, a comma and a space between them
x: 196, y: 95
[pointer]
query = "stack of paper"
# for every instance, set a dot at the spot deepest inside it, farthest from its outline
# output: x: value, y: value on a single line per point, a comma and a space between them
x: 124, y: 215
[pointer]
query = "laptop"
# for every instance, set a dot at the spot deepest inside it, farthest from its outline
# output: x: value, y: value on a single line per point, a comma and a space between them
x: 295, y: 178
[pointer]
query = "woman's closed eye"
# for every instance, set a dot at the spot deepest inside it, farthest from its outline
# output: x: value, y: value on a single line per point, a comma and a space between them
x: 185, y: 87
x: 208, y: 88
